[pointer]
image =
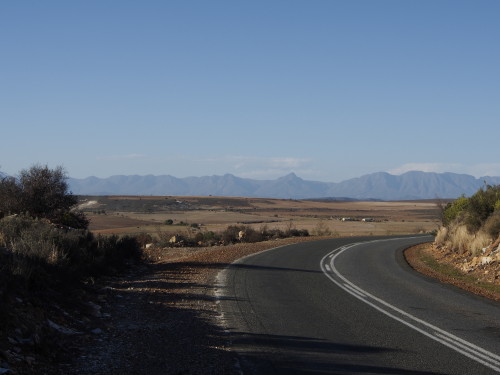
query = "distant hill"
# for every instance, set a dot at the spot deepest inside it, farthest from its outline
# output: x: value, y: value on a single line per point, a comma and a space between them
x: 381, y: 185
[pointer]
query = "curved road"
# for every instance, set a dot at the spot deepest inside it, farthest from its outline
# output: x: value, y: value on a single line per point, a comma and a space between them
x: 353, y: 306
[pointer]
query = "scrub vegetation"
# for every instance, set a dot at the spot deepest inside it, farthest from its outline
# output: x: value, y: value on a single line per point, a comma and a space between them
x: 48, y: 262
x: 44, y: 241
x: 466, y: 250
x: 471, y: 225
x: 194, y: 237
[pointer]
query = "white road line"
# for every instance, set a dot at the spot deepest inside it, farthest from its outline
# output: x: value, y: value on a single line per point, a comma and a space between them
x: 475, y: 347
x: 467, y: 347
x: 461, y: 346
x: 353, y: 290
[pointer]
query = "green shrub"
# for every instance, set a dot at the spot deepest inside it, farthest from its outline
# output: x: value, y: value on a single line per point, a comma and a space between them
x: 473, y: 211
x: 470, y: 224
x: 454, y: 210
x: 497, y: 205
x: 480, y: 206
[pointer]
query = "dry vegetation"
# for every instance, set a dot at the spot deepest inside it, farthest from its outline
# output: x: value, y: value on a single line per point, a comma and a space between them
x: 466, y: 251
x: 470, y: 234
x: 35, y: 339
x: 52, y: 274
x: 133, y: 215
x: 58, y: 261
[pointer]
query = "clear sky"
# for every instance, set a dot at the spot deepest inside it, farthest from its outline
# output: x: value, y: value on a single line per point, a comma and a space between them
x: 327, y: 89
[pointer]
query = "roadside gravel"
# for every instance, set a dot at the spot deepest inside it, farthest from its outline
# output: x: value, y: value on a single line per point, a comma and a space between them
x: 162, y: 317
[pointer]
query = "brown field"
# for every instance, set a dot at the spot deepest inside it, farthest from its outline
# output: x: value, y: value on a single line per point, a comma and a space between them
x: 134, y: 214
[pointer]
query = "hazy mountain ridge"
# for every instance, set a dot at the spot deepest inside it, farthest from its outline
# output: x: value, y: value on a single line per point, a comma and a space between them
x: 380, y: 185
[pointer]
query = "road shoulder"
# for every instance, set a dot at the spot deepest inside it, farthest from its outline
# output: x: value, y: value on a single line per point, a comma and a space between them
x: 425, y: 259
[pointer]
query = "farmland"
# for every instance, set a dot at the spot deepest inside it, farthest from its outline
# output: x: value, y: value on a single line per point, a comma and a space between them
x: 177, y: 215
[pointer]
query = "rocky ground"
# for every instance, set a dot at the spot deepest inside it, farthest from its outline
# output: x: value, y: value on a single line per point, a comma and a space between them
x: 482, y: 269
x: 161, y: 318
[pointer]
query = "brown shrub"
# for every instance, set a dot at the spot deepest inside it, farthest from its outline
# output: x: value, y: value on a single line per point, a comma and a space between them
x: 492, y: 224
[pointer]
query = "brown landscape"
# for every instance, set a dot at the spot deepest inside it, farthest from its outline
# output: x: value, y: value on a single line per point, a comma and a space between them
x: 161, y: 316
x: 132, y: 215
x: 147, y: 319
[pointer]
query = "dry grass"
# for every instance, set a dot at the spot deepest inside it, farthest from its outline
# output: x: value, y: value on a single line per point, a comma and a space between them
x: 458, y: 239
x: 216, y: 213
x: 441, y: 236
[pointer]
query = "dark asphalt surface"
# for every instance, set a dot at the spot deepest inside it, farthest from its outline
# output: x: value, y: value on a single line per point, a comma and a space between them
x: 286, y: 314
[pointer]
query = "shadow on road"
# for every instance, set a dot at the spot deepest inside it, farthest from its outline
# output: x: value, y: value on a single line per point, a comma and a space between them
x: 164, y: 319
x: 279, y: 354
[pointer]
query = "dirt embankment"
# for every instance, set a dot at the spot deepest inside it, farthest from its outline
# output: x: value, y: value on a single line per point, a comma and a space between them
x: 469, y: 273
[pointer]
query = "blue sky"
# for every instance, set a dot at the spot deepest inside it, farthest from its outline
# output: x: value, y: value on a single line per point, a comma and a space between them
x: 327, y: 89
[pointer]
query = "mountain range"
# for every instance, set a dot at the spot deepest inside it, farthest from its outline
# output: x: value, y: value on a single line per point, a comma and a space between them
x: 379, y: 186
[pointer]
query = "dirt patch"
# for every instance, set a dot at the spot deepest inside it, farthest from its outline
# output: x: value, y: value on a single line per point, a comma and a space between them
x: 111, y: 223
x: 445, y: 266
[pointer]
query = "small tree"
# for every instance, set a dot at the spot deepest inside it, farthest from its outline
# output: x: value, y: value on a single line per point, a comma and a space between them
x: 42, y: 193
x: 45, y: 191
x: 10, y: 196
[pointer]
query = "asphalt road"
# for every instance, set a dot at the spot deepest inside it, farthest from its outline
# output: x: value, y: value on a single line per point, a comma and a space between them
x: 353, y: 306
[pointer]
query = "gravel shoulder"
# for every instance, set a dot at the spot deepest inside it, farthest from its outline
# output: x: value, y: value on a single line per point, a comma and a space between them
x: 162, y: 317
